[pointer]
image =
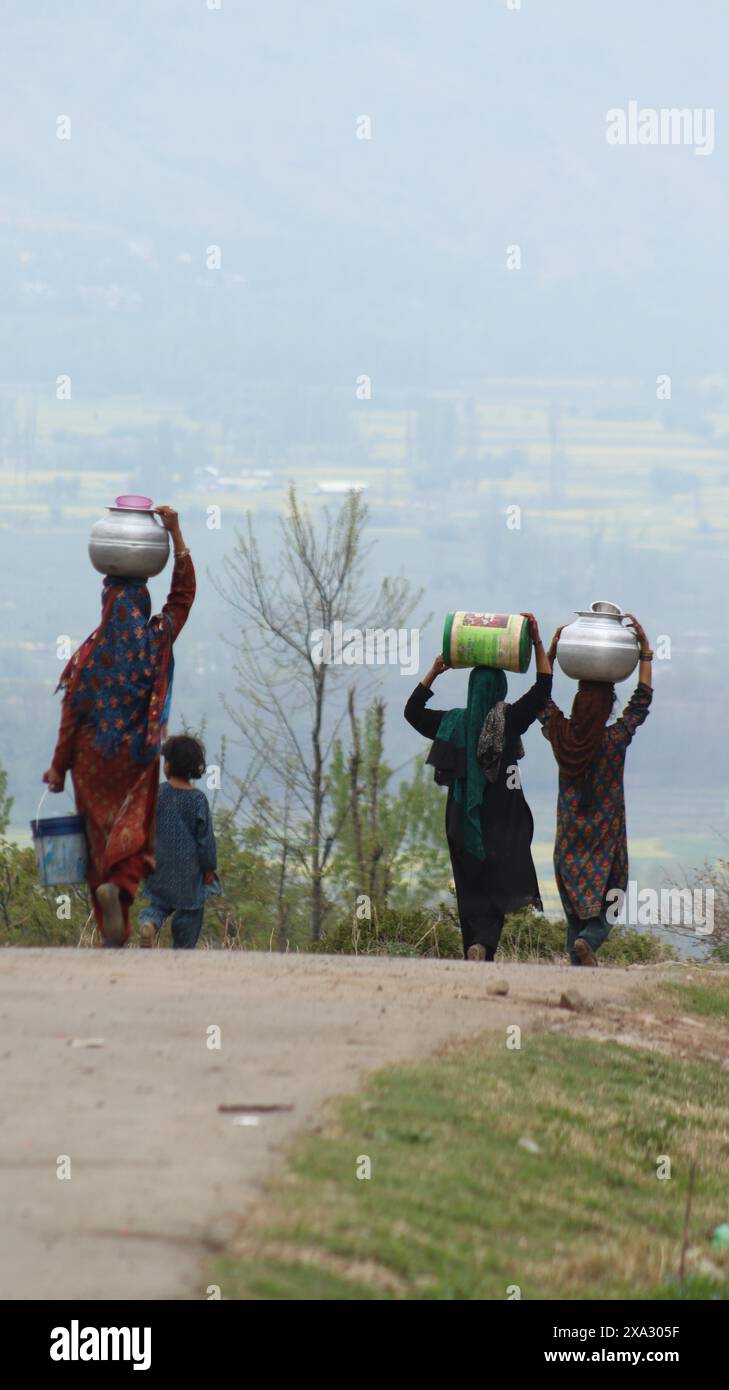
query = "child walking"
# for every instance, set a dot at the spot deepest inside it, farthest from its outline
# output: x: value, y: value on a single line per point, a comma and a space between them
x: 185, y: 849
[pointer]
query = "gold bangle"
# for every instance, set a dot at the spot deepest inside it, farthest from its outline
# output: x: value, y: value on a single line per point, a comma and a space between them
x: 181, y: 554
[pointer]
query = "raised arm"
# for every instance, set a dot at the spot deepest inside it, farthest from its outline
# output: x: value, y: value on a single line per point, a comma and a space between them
x: 425, y: 721
x: 544, y: 660
x: 645, y: 668
x: 182, y: 590
x: 529, y: 706
x: 635, y: 713
x: 525, y: 710
x: 638, y: 707
x: 550, y: 707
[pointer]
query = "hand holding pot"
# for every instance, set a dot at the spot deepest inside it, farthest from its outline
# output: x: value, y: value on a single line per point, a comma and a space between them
x: 639, y: 632
x: 169, y: 517
x: 171, y: 521
x: 555, y: 642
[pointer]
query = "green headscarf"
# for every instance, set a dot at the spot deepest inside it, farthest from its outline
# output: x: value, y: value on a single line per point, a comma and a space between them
x: 461, y: 727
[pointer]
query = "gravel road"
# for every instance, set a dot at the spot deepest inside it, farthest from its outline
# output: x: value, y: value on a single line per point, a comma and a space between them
x: 105, y: 1061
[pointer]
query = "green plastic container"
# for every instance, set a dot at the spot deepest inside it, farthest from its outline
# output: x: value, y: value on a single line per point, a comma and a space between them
x: 487, y: 639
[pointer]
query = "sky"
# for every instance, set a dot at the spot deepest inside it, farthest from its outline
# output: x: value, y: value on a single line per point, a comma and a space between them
x: 237, y: 128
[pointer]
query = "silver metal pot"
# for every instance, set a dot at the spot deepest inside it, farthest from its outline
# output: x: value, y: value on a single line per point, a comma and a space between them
x: 597, y: 646
x: 129, y: 541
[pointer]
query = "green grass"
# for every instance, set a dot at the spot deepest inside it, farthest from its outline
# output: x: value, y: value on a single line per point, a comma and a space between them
x: 709, y: 997
x: 456, y: 1209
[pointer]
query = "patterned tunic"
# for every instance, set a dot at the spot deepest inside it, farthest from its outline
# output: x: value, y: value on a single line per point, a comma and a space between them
x: 116, y: 795
x: 591, y: 847
x: 185, y: 849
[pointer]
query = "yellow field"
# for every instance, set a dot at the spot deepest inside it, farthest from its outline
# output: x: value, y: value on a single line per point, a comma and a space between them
x: 618, y: 470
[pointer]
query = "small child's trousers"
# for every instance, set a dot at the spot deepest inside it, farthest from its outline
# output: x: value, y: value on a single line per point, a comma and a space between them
x: 186, y: 922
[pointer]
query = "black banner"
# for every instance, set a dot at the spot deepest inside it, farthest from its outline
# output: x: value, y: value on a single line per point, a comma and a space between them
x: 160, y: 1338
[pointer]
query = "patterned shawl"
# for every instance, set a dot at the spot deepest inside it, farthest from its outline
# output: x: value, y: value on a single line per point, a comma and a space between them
x: 120, y: 679
x: 491, y: 742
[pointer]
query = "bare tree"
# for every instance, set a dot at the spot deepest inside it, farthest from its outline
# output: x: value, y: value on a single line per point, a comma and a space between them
x: 290, y: 701
x: 376, y: 746
x: 353, y: 769
x: 389, y: 833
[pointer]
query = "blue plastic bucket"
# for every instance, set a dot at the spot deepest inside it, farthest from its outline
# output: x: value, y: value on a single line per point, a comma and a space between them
x: 60, y: 848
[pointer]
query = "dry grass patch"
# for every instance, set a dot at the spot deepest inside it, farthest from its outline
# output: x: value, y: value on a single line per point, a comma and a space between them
x: 458, y: 1208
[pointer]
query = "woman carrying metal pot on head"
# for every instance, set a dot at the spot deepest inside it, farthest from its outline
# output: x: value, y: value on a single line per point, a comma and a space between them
x: 591, y: 847
x: 117, y: 691
x: 489, y: 825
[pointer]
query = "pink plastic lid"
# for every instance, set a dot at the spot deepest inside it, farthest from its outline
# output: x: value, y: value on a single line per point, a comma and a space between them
x: 138, y: 504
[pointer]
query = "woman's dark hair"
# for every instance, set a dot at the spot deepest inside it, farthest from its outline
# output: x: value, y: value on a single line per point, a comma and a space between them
x: 185, y: 756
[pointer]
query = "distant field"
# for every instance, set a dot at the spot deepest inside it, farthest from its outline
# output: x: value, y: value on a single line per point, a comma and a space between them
x: 626, y: 507
x: 568, y: 473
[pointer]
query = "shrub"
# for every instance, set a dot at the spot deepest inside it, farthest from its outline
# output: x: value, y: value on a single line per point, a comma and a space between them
x: 527, y: 936
x: 626, y: 946
x: 29, y: 913
x: 392, y: 932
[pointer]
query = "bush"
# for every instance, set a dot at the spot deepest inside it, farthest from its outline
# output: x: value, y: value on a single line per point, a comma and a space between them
x: 29, y: 914
x: 527, y: 936
x: 626, y: 946
x: 392, y: 932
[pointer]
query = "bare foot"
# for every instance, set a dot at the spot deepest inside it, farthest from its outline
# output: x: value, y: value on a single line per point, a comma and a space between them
x: 109, y: 902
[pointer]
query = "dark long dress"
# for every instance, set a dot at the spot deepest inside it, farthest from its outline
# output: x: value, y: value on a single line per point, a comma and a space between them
x: 505, y: 880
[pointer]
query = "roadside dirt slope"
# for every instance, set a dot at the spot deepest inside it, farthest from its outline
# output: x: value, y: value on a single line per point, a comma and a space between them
x: 159, y: 1174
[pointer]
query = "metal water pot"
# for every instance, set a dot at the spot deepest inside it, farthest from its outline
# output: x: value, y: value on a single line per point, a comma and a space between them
x: 597, y: 646
x: 129, y: 541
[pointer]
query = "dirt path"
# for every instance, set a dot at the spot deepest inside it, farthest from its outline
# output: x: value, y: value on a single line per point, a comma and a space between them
x: 158, y: 1173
